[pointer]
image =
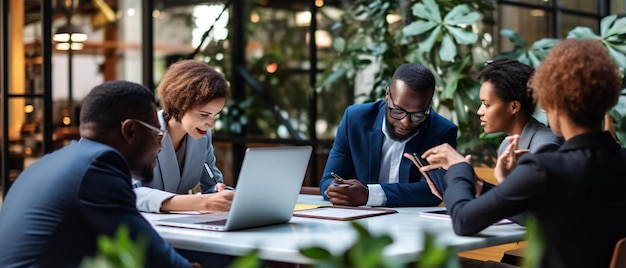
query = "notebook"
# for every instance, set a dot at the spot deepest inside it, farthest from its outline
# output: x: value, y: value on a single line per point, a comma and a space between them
x: 267, y: 191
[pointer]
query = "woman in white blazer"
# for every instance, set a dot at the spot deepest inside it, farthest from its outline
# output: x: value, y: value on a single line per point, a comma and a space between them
x: 191, y: 94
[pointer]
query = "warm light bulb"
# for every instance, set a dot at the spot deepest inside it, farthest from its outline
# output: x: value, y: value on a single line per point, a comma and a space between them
x: 29, y: 108
x: 67, y: 120
x: 272, y: 68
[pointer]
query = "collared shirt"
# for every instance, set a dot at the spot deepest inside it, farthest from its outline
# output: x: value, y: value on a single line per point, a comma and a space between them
x: 389, y: 167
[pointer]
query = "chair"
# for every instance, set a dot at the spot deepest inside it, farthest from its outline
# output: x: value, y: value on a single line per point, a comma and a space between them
x: 310, y: 190
x: 619, y: 254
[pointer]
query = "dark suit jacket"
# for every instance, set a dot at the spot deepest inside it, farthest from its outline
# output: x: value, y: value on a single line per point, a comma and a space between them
x: 57, y: 208
x: 357, y: 150
x: 577, y: 194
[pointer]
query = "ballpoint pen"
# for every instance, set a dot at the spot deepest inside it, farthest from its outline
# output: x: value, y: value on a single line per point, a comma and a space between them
x: 338, y: 178
x: 208, y: 170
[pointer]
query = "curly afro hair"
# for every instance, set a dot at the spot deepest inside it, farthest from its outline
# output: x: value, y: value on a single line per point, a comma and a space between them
x: 579, y: 78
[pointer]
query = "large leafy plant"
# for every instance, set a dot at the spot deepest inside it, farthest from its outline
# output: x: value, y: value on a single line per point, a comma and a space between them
x: 612, y: 31
x: 442, y: 35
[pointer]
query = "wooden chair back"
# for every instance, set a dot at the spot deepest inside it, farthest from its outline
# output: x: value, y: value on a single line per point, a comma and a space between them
x: 619, y: 254
x: 486, y: 173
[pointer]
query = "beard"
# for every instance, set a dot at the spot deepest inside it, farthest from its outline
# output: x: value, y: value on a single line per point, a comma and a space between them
x: 145, y: 173
x: 392, y: 134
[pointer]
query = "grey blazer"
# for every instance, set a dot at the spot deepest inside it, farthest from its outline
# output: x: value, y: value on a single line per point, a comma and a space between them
x: 535, y: 137
x: 169, y: 181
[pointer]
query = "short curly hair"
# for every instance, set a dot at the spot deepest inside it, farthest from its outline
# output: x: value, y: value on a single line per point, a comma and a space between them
x: 510, y: 81
x: 579, y: 78
x: 189, y: 83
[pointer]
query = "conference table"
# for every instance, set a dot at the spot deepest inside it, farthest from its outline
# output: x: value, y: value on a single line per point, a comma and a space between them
x: 282, y: 242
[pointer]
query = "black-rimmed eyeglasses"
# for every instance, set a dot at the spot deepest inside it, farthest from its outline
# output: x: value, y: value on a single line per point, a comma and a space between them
x: 399, y: 114
x: 159, y: 134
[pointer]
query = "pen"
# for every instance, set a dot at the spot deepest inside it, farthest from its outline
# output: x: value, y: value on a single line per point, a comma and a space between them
x: 208, y: 170
x: 339, y: 178
x: 336, y: 176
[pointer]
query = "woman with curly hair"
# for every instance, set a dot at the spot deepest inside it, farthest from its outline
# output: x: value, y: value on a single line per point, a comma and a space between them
x: 576, y: 85
x: 192, y: 94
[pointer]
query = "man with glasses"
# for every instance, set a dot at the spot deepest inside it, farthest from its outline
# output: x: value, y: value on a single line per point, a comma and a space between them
x: 366, y: 164
x: 59, y: 206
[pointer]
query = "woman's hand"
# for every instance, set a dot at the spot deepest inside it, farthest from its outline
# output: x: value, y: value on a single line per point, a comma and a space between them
x: 507, y: 161
x: 443, y: 156
x: 431, y: 185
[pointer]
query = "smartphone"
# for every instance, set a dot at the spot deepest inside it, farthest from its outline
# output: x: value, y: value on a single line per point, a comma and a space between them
x: 420, y: 161
x: 434, y: 178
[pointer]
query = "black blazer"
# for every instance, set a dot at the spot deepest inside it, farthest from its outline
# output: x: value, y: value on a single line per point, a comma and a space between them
x: 577, y: 194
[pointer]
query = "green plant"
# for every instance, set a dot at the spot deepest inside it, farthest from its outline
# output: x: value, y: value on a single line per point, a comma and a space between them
x: 612, y: 35
x: 251, y: 259
x: 120, y: 251
x: 535, y: 247
x: 442, y: 35
x: 367, y: 251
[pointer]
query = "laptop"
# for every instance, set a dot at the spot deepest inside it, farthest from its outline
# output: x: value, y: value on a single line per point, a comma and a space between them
x: 267, y: 191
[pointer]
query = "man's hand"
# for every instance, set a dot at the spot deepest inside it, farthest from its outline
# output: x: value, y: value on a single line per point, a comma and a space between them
x: 347, y: 192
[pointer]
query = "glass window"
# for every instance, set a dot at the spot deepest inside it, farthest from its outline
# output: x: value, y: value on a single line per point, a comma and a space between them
x: 569, y: 22
x: 531, y: 24
x: 580, y: 5
x: 534, y: 2
x: 618, y: 6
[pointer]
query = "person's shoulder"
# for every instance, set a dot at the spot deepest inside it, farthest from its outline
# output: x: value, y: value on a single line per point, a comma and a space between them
x: 544, y: 134
x: 368, y: 109
x: 438, y: 120
x: 94, y: 151
x: 367, y: 106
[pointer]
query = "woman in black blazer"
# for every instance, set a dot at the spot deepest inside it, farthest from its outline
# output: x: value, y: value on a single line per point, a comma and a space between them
x: 578, y: 193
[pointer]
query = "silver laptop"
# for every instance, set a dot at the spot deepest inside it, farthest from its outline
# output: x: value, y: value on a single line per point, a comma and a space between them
x: 267, y: 190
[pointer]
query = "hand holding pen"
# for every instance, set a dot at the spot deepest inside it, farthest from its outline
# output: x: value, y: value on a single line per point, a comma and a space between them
x: 346, y: 192
x: 219, y: 186
x: 338, y: 181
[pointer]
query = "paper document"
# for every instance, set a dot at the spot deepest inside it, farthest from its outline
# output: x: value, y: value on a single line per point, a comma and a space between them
x: 342, y: 213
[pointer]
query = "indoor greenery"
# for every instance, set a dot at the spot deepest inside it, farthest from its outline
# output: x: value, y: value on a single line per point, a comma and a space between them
x: 367, y: 251
x: 445, y: 36
x: 118, y: 251
x: 612, y: 35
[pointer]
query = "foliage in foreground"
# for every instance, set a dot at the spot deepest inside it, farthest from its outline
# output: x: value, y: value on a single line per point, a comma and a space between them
x: 119, y: 251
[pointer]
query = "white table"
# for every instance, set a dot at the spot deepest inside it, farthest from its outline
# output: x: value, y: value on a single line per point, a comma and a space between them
x: 282, y: 242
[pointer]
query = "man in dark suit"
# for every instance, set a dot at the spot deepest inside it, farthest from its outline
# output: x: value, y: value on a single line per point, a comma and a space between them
x: 372, y: 137
x: 57, y: 207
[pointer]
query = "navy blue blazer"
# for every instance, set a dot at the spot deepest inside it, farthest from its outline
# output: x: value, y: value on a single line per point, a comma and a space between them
x: 357, y: 151
x: 577, y: 194
x: 58, y: 206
